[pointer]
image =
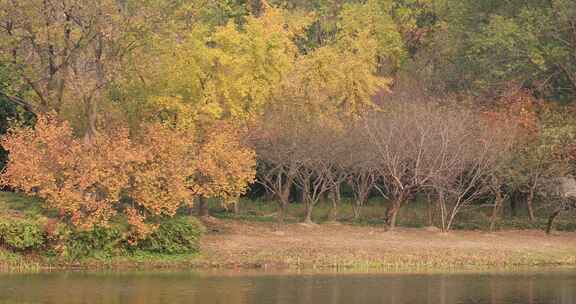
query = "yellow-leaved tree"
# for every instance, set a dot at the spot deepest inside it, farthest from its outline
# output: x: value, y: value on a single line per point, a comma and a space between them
x: 226, y: 166
x: 204, y: 74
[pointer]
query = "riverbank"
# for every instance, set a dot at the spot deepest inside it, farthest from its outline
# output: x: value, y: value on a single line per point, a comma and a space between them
x: 237, y: 244
x: 248, y: 244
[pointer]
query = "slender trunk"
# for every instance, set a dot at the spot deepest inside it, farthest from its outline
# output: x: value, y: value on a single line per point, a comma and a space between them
x: 496, y: 210
x: 335, y: 200
x: 529, y: 204
x: 356, y: 208
x: 281, y: 215
x: 359, y: 201
x: 284, y: 197
x: 90, y: 112
x: 443, y: 213
x: 551, y: 221
x: 307, y: 199
x: 202, y: 206
x: 91, y: 100
x: 282, y: 206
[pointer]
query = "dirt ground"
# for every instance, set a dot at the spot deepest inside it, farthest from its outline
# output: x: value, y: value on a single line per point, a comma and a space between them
x: 232, y: 243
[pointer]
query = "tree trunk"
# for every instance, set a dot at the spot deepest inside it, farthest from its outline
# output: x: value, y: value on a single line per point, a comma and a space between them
x: 529, y: 204
x: 90, y: 110
x: 308, y: 212
x: 202, y: 206
x: 284, y: 197
x: 335, y: 200
x: 392, y: 213
x: 393, y: 217
x: 356, y: 209
x: 281, y: 215
x: 236, y: 207
x: 443, y: 214
x: 360, y: 200
x: 308, y: 203
x: 496, y: 210
x: 551, y: 221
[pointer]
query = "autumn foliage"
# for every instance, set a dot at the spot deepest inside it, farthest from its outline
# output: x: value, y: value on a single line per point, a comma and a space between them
x: 83, y: 181
x: 140, y: 178
x: 225, y: 165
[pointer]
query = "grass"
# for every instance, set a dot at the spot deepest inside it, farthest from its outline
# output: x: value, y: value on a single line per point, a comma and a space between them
x: 15, y: 262
x: 22, y: 206
x: 412, y: 215
x: 134, y: 260
x: 262, y: 215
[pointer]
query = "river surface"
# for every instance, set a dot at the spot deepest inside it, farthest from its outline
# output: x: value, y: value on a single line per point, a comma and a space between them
x: 535, y: 286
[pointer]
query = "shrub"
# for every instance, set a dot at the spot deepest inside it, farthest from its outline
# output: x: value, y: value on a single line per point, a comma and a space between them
x: 21, y: 234
x: 75, y: 244
x: 174, y: 236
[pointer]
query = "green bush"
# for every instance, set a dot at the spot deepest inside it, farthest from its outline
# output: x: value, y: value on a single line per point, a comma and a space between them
x: 174, y: 236
x: 99, y: 241
x: 21, y: 234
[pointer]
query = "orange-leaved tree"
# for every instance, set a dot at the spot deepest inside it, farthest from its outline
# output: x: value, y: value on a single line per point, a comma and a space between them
x: 162, y: 180
x: 91, y: 182
x: 83, y: 181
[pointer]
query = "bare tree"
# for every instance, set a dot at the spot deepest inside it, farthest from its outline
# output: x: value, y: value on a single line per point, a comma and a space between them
x: 276, y: 139
x: 562, y: 192
x: 471, y: 154
x: 321, y: 170
x: 360, y: 163
x: 405, y: 141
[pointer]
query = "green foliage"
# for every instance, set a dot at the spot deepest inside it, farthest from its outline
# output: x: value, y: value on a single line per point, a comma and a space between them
x: 174, y: 236
x: 21, y: 234
x: 492, y: 43
x: 74, y: 244
x: 12, y: 202
x: 10, y: 113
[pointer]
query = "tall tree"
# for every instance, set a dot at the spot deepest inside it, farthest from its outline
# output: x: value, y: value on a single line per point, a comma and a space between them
x: 66, y: 53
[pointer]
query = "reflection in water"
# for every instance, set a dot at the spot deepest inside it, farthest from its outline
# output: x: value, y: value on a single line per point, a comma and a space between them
x: 188, y: 287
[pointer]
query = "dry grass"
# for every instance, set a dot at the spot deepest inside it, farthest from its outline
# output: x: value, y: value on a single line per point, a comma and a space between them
x: 244, y: 244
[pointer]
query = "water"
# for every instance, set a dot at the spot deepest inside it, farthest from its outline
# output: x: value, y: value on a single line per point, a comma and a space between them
x: 545, y: 287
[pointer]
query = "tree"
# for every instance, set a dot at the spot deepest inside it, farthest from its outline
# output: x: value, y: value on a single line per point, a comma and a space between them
x: 405, y: 140
x: 207, y: 74
x: 528, y: 42
x: 226, y: 166
x: 81, y: 182
x: 90, y: 183
x: 275, y: 138
x: 65, y: 54
x: 474, y: 149
x: 360, y: 164
x: 322, y: 153
x: 161, y: 181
